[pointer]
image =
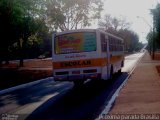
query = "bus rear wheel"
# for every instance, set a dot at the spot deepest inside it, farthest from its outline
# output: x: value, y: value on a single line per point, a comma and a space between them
x: 111, y: 73
x: 119, y: 71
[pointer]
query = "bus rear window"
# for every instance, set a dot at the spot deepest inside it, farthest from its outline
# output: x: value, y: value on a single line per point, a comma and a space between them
x: 75, y: 42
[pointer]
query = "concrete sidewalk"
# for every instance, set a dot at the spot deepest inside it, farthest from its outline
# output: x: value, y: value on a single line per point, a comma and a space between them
x: 141, y: 94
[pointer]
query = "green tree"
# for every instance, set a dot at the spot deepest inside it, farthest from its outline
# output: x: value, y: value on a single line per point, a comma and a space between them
x: 150, y: 41
x: 31, y: 27
x: 156, y: 21
x: 120, y: 27
x: 72, y: 14
x: 8, y: 18
x: 18, y: 21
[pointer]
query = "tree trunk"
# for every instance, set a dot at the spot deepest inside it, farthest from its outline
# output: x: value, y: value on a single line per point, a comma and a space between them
x: 21, y: 57
x: 21, y: 63
x: 20, y: 53
x: 0, y: 63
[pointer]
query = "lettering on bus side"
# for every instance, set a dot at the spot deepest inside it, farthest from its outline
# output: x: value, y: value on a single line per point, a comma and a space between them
x: 75, y: 63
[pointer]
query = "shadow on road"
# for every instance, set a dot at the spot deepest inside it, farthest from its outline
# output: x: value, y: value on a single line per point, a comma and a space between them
x: 79, y: 103
x: 32, y: 94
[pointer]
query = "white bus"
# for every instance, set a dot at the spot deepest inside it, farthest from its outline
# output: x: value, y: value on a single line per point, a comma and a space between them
x: 84, y: 54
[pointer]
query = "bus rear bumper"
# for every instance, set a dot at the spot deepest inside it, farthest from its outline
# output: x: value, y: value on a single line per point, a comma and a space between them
x: 78, y: 77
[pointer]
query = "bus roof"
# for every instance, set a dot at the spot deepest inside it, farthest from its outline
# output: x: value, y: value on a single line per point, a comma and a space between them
x: 88, y: 30
x: 77, y: 30
x: 110, y: 34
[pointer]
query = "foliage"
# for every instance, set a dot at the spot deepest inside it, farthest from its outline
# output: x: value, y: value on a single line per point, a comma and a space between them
x: 25, y: 24
x: 113, y: 23
x: 150, y: 40
x: 120, y: 27
x: 131, y: 40
x: 150, y: 37
x: 72, y: 14
x: 11, y: 19
x: 20, y: 20
x: 156, y: 19
x: 153, y: 36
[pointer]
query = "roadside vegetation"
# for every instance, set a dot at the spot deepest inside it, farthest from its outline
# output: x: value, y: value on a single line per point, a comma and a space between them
x: 153, y: 36
x: 26, y: 27
x: 120, y: 27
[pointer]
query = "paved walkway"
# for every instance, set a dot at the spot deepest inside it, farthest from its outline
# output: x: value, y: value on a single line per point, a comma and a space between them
x: 141, y: 94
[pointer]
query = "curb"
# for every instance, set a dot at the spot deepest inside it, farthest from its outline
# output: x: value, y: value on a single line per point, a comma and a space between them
x: 24, y: 85
x: 115, y: 95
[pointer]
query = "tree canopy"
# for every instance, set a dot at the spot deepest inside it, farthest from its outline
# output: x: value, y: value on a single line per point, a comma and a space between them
x: 26, y: 23
x: 156, y: 22
x: 72, y: 14
x: 120, y: 27
x: 114, y: 23
x: 153, y: 36
x: 18, y: 21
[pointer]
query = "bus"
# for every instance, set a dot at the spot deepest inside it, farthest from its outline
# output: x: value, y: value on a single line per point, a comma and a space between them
x: 79, y: 55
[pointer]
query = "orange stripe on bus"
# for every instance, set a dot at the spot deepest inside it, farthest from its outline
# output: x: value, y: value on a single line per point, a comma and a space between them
x: 85, y: 63
x: 117, y: 58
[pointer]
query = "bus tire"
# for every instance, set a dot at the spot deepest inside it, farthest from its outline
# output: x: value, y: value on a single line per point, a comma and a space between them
x: 119, y: 71
x: 122, y: 63
x: 111, y: 73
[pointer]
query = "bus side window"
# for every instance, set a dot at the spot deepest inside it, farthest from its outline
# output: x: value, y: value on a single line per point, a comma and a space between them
x: 103, y: 43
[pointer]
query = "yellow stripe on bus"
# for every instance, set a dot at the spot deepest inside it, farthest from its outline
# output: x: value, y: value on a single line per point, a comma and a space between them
x: 96, y: 62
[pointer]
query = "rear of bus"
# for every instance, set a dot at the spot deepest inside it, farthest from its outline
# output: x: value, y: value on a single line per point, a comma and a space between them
x: 75, y: 56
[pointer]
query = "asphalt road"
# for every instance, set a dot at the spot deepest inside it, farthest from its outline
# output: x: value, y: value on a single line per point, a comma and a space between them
x: 50, y: 100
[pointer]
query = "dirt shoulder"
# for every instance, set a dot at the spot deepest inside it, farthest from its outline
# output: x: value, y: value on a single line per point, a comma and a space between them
x: 13, y: 75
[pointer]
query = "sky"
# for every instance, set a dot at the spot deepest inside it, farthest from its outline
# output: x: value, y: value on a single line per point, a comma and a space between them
x: 130, y: 9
